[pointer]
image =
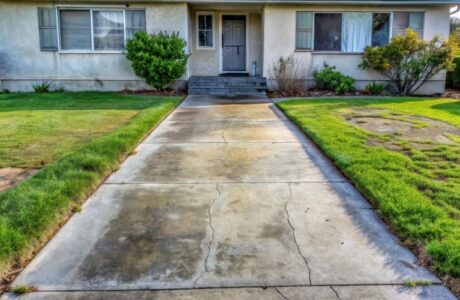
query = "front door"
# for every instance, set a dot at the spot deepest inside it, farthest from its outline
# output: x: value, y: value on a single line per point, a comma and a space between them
x: 234, y: 43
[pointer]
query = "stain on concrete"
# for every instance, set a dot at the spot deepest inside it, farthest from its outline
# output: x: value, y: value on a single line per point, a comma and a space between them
x: 232, y: 260
x: 157, y: 234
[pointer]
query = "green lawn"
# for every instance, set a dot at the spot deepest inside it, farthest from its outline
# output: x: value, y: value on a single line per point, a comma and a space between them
x: 414, y: 185
x: 40, y: 128
x: 81, y: 138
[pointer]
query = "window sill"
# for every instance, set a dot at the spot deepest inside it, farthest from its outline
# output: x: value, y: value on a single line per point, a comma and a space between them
x: 89, y: 52
x: 328, y: 52
x: 337, y: 53
x: 205, y: 48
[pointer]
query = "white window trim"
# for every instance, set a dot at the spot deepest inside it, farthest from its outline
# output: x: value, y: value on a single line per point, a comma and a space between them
x: 91, y: 9
x: 197, y: 40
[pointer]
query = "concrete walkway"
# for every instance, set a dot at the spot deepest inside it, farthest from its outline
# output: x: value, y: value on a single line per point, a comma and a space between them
x: 226, y: 200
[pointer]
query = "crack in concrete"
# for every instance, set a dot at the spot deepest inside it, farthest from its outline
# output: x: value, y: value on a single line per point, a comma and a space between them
x: 281, y: 294
x: 206, y: 268
x: 335, y: 292
x: 293, y: 233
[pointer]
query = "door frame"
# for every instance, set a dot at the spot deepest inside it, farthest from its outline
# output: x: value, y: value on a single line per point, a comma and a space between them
x: 221, y: 19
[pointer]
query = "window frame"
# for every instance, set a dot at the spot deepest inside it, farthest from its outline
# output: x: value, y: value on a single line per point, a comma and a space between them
x: 40, y: 28
x: 312, y: 30
x: 197, y: 32
x: 91, y: 11
x: 313, y: 51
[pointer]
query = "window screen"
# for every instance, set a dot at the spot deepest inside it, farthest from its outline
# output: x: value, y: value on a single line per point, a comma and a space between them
x: 75, y: 29
x: 205, y: 31
x: 328, y: 31
x: 380, y: 29
x: 47, y: 29
x: 109, y: 32
x: 304, y: 26
x: 135, y: 22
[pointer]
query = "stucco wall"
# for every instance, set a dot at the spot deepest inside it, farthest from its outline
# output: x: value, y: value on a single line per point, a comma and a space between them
x: 23, y: 64
x: 206, y: 62
x: 279, y: 41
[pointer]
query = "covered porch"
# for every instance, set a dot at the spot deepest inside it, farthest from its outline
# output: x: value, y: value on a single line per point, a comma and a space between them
x: 225, y: 40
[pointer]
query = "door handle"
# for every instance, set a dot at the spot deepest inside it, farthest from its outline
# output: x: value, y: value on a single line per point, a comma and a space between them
x: 222, y: 41
x: 237, y: 50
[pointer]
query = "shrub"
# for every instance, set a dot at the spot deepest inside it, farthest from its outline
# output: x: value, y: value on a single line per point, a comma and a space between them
x: 375, y: 88
x: 408, y: 62
x: 331, y: 79
x: 159, y: 59
x: 453, y: 76
x: 287, y: 73
x: 42, y: 87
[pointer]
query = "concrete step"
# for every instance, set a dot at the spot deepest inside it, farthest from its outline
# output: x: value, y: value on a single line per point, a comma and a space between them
x: 226, y: 85
x: 207, y: 91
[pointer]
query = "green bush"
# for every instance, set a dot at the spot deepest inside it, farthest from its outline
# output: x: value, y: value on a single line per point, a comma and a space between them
x: 453, y: 76
x: 42, y: 87
x: 159, y: 59
x: 375, y: 88
x: 408, y: 61
x: 331, y: 79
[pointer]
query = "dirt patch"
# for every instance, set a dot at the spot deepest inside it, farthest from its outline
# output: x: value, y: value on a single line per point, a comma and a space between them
x: 312, y: 93
x: 373, y: 142
x: 436, y: 132
x: 9, y: 177
x: 381, y: 125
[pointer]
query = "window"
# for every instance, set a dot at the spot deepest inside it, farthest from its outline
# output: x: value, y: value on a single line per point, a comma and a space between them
x: 75, y: 29
x: 356, y: 29
x: 47, y: 29
x: 328, y: 31
x: 90, y: 29
x: 205, y: 26
x: 108, y: 30
x: 345, y: 32
x: 135, y: 22
x: 404, y: 20
x: 380, y: 29
x: 304, y: 25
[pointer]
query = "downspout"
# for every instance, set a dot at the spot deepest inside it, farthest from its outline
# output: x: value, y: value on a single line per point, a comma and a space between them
x: 457, y: 9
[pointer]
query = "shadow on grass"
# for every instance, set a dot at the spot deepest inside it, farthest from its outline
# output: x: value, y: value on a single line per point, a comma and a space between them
x: 453, y: 108
x: 346, y: 102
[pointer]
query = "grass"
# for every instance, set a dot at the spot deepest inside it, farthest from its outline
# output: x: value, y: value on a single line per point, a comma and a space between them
x: 37, y: 129
x: 416, y: 191
x: 82, y: 137
x: 415, y: 283
x: 23, y: 289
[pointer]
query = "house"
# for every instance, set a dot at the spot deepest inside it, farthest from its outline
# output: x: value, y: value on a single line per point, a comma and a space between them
x: 79, y: 44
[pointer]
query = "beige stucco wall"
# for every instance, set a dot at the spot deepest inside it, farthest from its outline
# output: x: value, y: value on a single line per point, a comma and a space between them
x: 271, y: 35
x: 279, y: 41
x: 206, y: 62
x: 23, y: 64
